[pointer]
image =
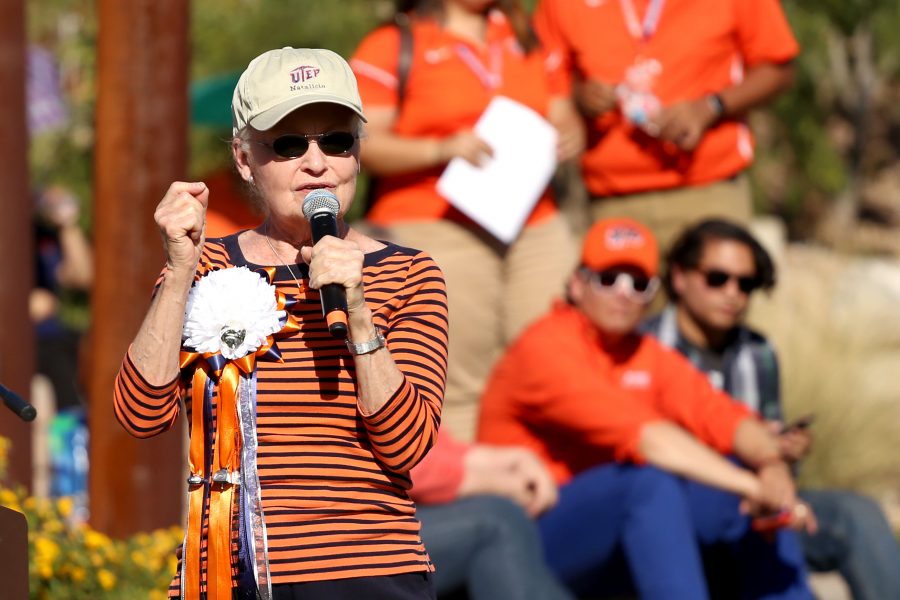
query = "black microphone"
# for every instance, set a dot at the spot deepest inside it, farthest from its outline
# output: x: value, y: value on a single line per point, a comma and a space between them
x: 15, y: 403
x: 321, y: 209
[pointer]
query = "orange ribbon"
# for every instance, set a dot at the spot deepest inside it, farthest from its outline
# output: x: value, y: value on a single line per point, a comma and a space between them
x: 226, y: 460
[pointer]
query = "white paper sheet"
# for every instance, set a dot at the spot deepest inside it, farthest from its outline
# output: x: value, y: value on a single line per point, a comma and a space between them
x: 500, y: 194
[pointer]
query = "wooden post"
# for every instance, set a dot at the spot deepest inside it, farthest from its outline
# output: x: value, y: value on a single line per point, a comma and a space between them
x: 142, y: 120
x: 16, y: 238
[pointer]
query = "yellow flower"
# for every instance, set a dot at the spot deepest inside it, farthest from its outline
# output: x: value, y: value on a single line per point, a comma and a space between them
x: 78, y: 574
x: 8, y: 497
x: 45, y: 548
x: 64, y: 505
x: 53, y: 526
x: 44, y: 569
x: 94, y: 539
x: 4, y: 455
x: 107, y: 579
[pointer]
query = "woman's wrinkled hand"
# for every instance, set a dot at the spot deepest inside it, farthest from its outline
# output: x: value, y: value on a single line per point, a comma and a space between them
x: 181, y: 218
x: 338, y: 261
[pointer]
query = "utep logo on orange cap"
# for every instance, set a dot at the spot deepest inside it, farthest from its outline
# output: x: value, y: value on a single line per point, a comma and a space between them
x: 620, y: 237
x: 304, y: 73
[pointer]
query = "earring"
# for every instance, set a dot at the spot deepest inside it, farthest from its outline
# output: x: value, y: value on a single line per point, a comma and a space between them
x: 250, y: 180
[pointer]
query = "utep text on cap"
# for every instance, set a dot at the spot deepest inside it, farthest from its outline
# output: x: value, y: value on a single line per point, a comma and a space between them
x: 280, y: 81
x: 617, y: 242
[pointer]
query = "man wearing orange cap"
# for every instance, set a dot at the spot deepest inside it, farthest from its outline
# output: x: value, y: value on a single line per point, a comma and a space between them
x: 637, y: 438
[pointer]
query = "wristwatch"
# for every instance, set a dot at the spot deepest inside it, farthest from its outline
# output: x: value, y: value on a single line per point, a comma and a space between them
x: 716, y: 106
x: 366, y: 347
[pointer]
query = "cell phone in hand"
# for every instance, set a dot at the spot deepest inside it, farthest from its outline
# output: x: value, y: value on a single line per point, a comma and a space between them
x: 801, y: 423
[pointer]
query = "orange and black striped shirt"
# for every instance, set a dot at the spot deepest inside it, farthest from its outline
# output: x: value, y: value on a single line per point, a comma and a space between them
x: 334, y: 482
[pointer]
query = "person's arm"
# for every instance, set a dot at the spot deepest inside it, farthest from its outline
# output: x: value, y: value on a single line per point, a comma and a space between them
x: 723, y: 424
x: 77, y: 269
x: 400, y: 407
x: 453, y: 470
x: 758, y: 448
x: 568, y: 123
x: 60, y: 208
x: 386, y: 153
x: 180, y: 217
x: 376, y: 64
x: 671, y: 448
x: 509, y: 471
x: 685, y: 122
x: 146, y: 391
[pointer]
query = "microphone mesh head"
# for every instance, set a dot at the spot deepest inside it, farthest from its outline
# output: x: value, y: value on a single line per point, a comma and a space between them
x: 320, y: 201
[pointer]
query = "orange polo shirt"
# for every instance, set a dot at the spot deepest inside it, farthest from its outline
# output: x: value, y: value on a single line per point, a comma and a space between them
x: 444, y: 94
x: 703, y: 47
x: 559, y: 392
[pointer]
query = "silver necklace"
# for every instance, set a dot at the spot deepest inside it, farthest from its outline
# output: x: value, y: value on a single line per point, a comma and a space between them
x: 278, y: 256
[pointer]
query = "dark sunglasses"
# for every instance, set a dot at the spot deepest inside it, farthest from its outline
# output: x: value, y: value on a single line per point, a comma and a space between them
x: 295, y: 145
x: 640, y: 286
x: 716, y: 279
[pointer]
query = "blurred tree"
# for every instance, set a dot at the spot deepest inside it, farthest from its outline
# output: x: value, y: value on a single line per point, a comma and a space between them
x: 63, y: 155
x: 837, y: 130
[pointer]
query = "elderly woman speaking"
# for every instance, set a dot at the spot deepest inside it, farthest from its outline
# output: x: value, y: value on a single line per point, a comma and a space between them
x: 301, y: 442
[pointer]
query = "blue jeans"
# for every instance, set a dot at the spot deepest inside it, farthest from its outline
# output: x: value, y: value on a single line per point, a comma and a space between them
x: 855, y: 539
x: 620, y: 528
x: 488, y: 545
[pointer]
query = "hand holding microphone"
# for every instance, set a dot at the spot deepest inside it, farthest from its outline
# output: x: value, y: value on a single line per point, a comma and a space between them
x: 335, y: 264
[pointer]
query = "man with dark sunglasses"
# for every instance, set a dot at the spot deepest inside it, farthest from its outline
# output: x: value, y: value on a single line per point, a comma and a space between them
x: 637, y: 440
x: 713, y: 269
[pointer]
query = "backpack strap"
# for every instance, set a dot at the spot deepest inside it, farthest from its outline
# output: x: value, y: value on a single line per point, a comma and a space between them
x: 404, y: 60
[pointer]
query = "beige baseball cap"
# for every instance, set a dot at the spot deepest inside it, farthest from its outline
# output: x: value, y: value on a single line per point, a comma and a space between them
x: 280, y: 81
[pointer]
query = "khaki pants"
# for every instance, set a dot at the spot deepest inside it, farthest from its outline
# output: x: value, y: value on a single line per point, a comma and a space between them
x: 494, y: 291
x: 668, y: 212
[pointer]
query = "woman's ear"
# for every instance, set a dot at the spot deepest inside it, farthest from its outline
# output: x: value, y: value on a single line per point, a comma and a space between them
x: 241, y: 158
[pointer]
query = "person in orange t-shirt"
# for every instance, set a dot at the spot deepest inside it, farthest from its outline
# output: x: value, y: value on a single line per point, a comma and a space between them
x: 664, y: 86
x: 463, y: 54
x: 637, y: 439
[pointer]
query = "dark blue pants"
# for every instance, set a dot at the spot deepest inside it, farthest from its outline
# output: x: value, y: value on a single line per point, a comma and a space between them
x: 621, y: 528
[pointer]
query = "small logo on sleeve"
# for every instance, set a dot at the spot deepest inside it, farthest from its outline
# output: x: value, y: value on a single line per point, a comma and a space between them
x: 636, y: 380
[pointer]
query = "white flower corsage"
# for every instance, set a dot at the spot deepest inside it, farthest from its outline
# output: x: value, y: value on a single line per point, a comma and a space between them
x: 231, y: 311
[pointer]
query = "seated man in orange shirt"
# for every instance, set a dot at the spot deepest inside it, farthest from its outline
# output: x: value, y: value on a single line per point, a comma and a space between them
x: 637, y: 439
